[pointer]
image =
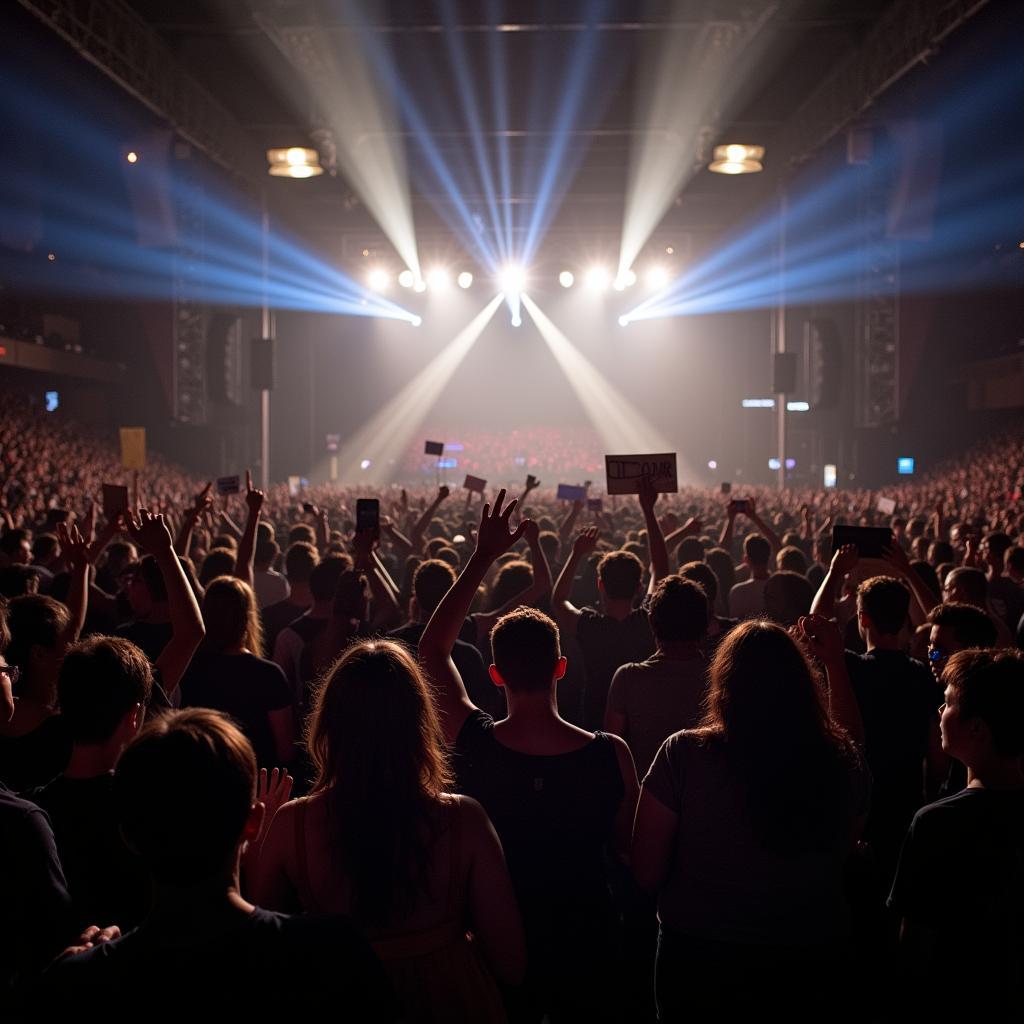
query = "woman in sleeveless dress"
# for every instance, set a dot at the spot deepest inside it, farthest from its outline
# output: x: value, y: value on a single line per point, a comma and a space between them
x: 381, y: 840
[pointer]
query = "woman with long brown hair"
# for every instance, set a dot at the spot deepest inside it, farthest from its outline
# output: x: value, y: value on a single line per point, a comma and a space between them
x: 745, y: 825
x: 230, y: 674
x: 381, y: 839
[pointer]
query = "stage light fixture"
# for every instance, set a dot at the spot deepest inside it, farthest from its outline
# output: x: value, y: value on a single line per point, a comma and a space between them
x: 465, y: 279
x: 517, y: 321
x: 131, y: 156
x: 378, y: 279
x: 294, y: 162
x: 365, y: 464
x: 712, y: 464
x: 566, y: 279
x: 420, y: 285
x: 597, y: 279
x: 438, y: 279
x: 623, y: 321
x: 512, y: 279
x: 416, y: 321
x: 624, y: 281
x: 406, y: 278
x: 737, y: 159
x: 656, y: 278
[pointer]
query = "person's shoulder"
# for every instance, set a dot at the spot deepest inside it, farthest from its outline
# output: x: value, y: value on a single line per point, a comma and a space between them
x: 476, y: 729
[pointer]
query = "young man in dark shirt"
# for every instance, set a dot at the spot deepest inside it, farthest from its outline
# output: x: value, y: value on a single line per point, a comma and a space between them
x: 959, y: 888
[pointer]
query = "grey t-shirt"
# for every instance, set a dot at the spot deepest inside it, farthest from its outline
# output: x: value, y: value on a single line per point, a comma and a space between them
x: 724, y: 885
x: 658, y: 697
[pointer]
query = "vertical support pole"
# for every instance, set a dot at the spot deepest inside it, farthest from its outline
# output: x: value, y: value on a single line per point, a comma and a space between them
x: 780, y: 341
x: 266, y: 328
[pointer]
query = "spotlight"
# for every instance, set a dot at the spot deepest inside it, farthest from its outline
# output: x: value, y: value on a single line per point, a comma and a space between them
x: 378, y: 279
x: 406, y: 279
x: 294, y: 162
x: 598, y: 279
x: 712, y: 464
x: 737, y: 159
x: 624, y: 281
x: 517, y: 321
x: 566, y: 279
x: 512, y: 279
x: 365, y: 464
x: 438, y: 279
x: 420, y: 285
x: 131, y: 156
x: 465, y: 279
x: 623, y: 321
x: 656, y: 277
x: 416, y: 321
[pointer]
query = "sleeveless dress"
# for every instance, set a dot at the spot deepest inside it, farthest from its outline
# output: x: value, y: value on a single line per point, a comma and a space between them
x: 438, y: 973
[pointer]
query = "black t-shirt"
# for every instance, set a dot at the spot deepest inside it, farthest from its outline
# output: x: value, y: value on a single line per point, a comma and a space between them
x: 468, y: 660
x: 107, y: 882
x: 961, y: 874
x: 36, y: 920
x: 607, y: 644
x: 554, y: 815
x: 150, y: 637
x: 265, y: 964
x: 898, y: 700
x: 278, y: 615
x: 243, y: 686
x: 30, y: 761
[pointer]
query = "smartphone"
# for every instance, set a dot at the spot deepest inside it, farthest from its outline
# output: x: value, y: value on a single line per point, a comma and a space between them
x: 307, y: 506
x: 367, y: 514
x: 740, y: 504
x: 870, y: 541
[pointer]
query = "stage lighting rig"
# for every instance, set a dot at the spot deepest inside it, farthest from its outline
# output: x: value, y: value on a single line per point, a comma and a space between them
x: 512, y: 279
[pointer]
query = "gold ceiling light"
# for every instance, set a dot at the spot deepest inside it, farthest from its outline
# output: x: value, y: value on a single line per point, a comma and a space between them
x: 737, y: 159
x: 294, y: 162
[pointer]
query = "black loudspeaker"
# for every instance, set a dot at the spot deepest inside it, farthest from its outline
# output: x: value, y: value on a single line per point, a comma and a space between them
x: 784, y: 373
x: 824, y: 361
x: 261, y: 363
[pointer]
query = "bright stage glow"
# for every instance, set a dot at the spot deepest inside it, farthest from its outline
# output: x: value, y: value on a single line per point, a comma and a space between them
x: 623, y: 321
x: 512, y: 279
x: 416, y: 320
x: 465, y: 279
x: 798, y: 406
x: 597, y: 279
x: 656, y: 277
x: 758, y: 403
x: 420, y: 285
x: 387, y: 435
x: 624, y: 281
x: 621, y: 425
x: 131, y: 156
x: 378, y: 279
x: 712, y: 464
x: 566, y: 279
x: 293, y: 162
x: 737, y: 159
x: 438, y: 279
x: 365, y: 464
x: 406, y: 278
x: 517, y: 320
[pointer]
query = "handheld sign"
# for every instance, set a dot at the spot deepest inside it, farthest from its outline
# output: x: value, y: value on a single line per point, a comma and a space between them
x: 570, y: 492
x: 228, y: 485
x: 115, y: 501
x: 594, y: 505
x: 133, y: 447
x: 886, y: 506
x: 433, y: 448
x: 474, y: 483
x: 625, y: 472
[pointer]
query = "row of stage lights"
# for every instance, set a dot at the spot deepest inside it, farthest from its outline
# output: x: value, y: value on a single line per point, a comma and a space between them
x: 512, y: 280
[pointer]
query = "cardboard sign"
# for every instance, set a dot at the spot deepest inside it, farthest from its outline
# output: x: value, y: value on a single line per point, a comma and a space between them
x: 595, y: 505
x: 133, y: 447
x: 228, y: 484
x: 624, y: 473
x: 474, y: 483
x: 571, y: 492
x: 886, y: 506
x: 294, y: 484
x: 115, y: 501
x: 433, y: 448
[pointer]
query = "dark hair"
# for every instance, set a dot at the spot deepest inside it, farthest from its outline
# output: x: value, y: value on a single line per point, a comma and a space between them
x: 757, y: 549
x: 525, y: 647
x: 971, y: 582
x: 990, y: 685
x: 12, y: 540
x: 679, y: 610
x: 231, y: 616
x: 101, y: 680
x: 44, y: 546
x: 381, y: 763
x: 300, y: 560
x: 449, y: 556
x: 970, y: 625
x: 301, y: 532
x: 266, y: 551
x: 940, y: 551
x: 928, y: 576
x: 721, y: 564
x: 1014, y: 558
x: 431, y: 581
x: 16, y: 580
x: 183, y: 791
x: 998, y: 544
x: 885, y: 600
x: 787, y: 596
x: 765, y: 703
x: 690, y: 550
x: 620, y: 573
x: 218, y: 562
x: 792, y: 559
x: 704, y: 576
x: 34, y: 620
x: 512, y: 578
x: 323, y: 580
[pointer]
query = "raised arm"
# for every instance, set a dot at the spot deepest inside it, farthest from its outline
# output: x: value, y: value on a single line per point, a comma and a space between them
x: 201, y: 503
x: 565, y: 528
x: 691, y: 528
x: 247, y: 545
x: 924, y: 599
x: 725, y: 537
x: 385, y: 608
x: 416, y: 539
x: 75, y: 552
x: 655, y: 540
x: 399, y: 541
x: 565, y: 612
x: 763, y: 528
x: 822, y: 637
x: 844, y: 561
x: 493, y: 538
x: 187, y: 631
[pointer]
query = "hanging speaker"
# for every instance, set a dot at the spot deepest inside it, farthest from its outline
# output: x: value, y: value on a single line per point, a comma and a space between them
x: 261, y: 364
x: 784, y: 373
x: 824, y: 362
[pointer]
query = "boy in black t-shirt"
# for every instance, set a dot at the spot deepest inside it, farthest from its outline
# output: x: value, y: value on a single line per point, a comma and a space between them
x: 959, y: 888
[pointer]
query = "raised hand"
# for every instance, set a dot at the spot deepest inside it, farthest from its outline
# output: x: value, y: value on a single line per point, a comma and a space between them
x: 692, y: 527
x: 897, y: 558
x: 821, y: 637
x: 149, y: 532
x: 94, y: 935
x: 493, y: 537
x: 844, y: 561
x: 585, y: 542
x: 443, y: 492
x: 272, y: 790
x: 253, y: 498
x: 202, y: 502
x: 532, y: 483
x: 531, y: 531
x: 73, y: 547
x: 647, y: 494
